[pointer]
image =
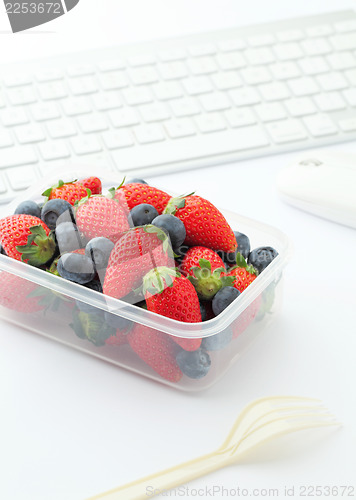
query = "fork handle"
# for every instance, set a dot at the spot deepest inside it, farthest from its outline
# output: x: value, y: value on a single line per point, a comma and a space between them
x: 153, y: 484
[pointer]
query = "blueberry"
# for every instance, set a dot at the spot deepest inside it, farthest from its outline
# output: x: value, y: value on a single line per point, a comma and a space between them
x: 217, y: 341
x: 261, y: 257
x: 87, y: 308
x: 95, y: 285
x: 243, y: 246
x: 224, y: 298
x: 53, y: 209
x: 117, y: 321
x: 202, y: 311
x: 68, y: 237
x: 28, y: 207
x: 194, y: 364
x: 173, y: 226
x: 99, y: 249
x: 91, y: 327
x: 2, y: 251
x: 135, y: 180
x: 76, y: 267
x: 143, y: 214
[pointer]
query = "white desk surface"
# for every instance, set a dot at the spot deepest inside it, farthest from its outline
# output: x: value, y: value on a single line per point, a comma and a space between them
x: 72, y: 426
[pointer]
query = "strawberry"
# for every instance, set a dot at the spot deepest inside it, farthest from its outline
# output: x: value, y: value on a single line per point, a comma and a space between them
x: 205, y: 225
x: 18, y: 294
x: 242, y: 274
x: 92, y: 183
x: 27, y: 238
x: 119, y: 338
x: 157, y: 350
x: 101, y: 216
x: 245, y: 318
x: 69, y: 191
x: 205, y: 270
x: 136, y: 252
x: 170, y: 294
x: 134, y: 194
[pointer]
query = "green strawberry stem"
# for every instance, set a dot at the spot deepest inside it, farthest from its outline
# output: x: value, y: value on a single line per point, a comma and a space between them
x: 159, y: 278
x: 241, y: 262
x: 39, y: 248
x: 207, y: 283
x: 175, y: 203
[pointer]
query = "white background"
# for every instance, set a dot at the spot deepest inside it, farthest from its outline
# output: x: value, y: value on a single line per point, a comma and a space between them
x: 72, y: 426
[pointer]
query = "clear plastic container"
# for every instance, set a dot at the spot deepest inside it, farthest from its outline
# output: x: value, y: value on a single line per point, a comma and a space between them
x: 244, y: 320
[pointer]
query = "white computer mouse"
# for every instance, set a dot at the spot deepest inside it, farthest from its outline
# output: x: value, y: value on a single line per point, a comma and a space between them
x: 322, y: 183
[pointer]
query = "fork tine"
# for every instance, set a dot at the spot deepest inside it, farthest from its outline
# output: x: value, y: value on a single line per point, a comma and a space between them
x: 282, y: 425
x: 255, y: 410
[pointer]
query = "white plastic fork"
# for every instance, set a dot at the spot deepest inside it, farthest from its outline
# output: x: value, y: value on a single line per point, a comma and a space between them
x: 260, y: 421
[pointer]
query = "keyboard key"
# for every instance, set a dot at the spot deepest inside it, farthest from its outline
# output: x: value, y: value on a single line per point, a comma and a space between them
x: 114, y: 80
x: 52, y: 90
x: 245, y: 96
x: 232, y: 44
x: 332, y: 81
x: 180, y: 128
x: 167, y: 90
x: 149, y: 133
x: 274, y: 91
x: 83, y: 85
x: 320, y: 125
x: 215, y: 102
x: 54, y: 150
x: 351, y: 76
x: 348, y: 124
x: 240, y: 117
x: 290, y: 35
x: 202, y: 65
x: 124, y: 117
x: 344, y: 42
x: 14, y: 116
x: 207, y: 49
x: 111, y: 65
x: 286, y: 131
x: 197, y: 85
x: 231, y: 60
x: 185, y: 107
x: 288, y: 51
x: 256, y: 57
x: 341, y: 60
x: 141, y: 60
x: 285, y: 70
x: 303, y: 86
x: 85, y: 145
x: 330, y: 101
x: 3, y: 187
x: 270, y: 112
x: 210, y: 123
x: 49, y: 75
x: 142, y: 76
x: 314, y: 65
x: 45, y: 111
x: 345, y: 26
x: 172, y: 70
x: 300, y: 106
x: 106, y: 101
x: 21, y: 95
x: 61, y: 128
x: 30, y: 134
x: 5, y: 139
x: 16, y: 80
x: 118, y: 139
x: 76, y: 106
x: 2, y: 101
x: 21, y: 177
x: 12, y: 157
x: 226, y: 80
x: 135, y: 95
x: 261, y: 40
x: 154, y: 112
x: 93, y: 122
x: 172, y: 55
x: 190, y: 148
x: 80, y: 69
x: 316, y: 47
x: 319, y: 30
x: 350, y: 96
x: 255, y: 75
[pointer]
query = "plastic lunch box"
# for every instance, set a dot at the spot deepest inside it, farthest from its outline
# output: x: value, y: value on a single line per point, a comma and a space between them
x: 247, y: 316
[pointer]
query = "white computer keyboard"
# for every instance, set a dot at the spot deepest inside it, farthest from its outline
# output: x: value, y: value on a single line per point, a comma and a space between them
x: 183, y: 103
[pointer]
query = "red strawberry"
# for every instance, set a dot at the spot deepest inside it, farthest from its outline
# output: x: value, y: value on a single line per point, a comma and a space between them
x: 101, y: 216
x: 243, y: 274
x: 170, y: 294
x: 135, y: 194
x: 92, y: 183
x: 16, y: 294
x: 156, y: 349
x: 119, y: 338
x: 69, y: 191
x: 205, y: 270
x: 205, y: 224
x: 245, y: 318
x: 136, y: 252
x: 26, y: 238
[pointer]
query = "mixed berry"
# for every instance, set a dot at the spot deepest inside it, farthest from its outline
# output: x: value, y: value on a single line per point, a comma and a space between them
x: 174, y: 256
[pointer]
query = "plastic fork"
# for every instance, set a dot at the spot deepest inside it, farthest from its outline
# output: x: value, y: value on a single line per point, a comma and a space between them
x: 260, y: 421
